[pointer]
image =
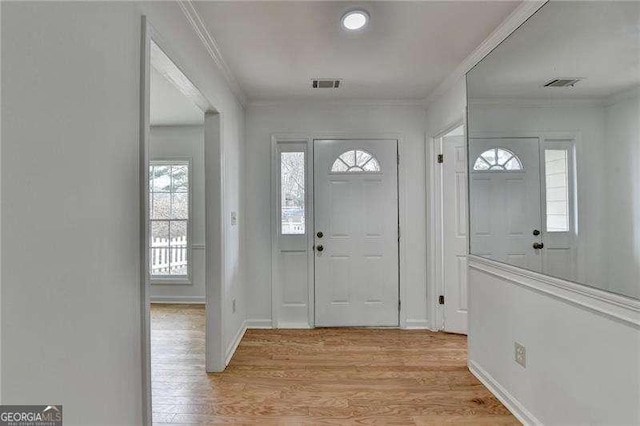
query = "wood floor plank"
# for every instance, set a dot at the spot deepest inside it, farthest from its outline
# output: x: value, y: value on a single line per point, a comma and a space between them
x: 324, y: 376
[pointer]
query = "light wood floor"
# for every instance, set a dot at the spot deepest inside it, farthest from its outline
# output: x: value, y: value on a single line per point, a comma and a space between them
x: 321, y: 376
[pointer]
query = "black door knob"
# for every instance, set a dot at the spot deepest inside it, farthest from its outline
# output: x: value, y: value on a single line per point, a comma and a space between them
x: 319, y: 248
x: 538, y: 246
x: 320, y: 234
x: 536, y: 232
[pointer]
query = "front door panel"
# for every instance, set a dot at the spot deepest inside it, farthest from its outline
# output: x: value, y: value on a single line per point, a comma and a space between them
x: 356, y: 232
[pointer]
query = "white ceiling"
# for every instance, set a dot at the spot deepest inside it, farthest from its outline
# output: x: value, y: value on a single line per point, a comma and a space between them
x: 169, y: 106
x: 274, y: 49
x: 599, y: 41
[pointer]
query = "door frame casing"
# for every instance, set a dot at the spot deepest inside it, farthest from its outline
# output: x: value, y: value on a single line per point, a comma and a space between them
x: 309, y: 139
x: 214, y: 206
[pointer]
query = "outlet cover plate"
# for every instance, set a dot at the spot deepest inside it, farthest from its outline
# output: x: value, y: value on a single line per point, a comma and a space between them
x: 520, y: 354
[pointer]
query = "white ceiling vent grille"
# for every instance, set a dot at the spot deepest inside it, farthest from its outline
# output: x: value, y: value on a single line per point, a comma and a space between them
x: 563, y: 82
x: 326, y: 83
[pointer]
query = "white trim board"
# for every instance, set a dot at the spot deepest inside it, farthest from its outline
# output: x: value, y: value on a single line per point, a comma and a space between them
x: 186, y: 300
x: 196, y: 22
x: 509, y: 401
x: 259, y: 323
x: 235, y: 343
x: 619, y: 308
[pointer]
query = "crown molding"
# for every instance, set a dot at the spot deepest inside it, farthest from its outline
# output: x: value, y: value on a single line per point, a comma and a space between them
x: 210, y: 44
x: 336, y: 102
x: 523, y: 12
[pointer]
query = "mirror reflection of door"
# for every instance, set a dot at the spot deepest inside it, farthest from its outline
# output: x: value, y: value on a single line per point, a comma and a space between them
x: 505, y: 201
x: 356, y: 232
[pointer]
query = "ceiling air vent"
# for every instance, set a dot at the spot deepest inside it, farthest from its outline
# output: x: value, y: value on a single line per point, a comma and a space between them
x: 326, y: 83
x: 562, y: 82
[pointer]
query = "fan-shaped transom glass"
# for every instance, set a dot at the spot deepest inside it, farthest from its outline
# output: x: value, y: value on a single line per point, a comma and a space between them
x: 355, y: 160
x: 497, y: 160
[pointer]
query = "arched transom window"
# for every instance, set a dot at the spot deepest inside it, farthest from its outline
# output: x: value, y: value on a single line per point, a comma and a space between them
x: 355, y: 160
x: 497, y: 160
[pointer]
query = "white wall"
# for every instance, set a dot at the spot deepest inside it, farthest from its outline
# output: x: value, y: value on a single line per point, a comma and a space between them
x: 70, y: 200
x: 583, y: 367
x: 310, y: 119
x: 167, y: 142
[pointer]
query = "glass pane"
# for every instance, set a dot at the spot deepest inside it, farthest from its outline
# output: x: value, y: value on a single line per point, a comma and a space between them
x: 292, y: 177
x: 349, y: 157
x: 490, y: 156
x: 339, y: 166
x: 503, y: 156
x: 179, y: 261
x: 372, y: 166
x: 161, y: 205
x: 159, y: 233
x: 513, y: 164
x: 160, y: 178
x: 362, y: 157
x: 480, y: 164
x: 557, y: 189
x: 180, y: 176
x: 180, y: 206
x: 178, y: 233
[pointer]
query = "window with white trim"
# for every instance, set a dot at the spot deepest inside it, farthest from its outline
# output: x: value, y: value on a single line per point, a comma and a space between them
x: 292, y: 192
x: 170, y: 220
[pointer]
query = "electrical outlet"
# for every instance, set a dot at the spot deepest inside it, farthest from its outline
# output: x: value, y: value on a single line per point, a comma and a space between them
x: 233, y: 305
x: 520, y: 354
x: 234, y: 218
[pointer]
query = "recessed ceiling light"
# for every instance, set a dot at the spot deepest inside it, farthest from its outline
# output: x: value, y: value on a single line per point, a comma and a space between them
x: 355, y: 20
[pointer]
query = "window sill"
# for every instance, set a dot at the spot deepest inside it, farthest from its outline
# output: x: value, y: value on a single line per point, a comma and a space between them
x: 170, y: 281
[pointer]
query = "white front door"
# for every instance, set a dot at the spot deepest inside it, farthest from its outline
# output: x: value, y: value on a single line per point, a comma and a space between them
x: 455, y: 245
x: 356, y: 232
x: 505, y: 200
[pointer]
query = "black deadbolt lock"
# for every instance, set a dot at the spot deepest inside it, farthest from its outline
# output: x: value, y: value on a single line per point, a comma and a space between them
x: 320, y: 234
x: 536, y: 232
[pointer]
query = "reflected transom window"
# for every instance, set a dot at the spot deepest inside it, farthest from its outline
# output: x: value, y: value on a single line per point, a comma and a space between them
x: 498, y: 160
x: 355, y: 160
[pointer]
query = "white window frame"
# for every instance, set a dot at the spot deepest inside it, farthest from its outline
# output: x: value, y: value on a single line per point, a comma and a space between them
x: 176, y: 279
x: 570, y: 146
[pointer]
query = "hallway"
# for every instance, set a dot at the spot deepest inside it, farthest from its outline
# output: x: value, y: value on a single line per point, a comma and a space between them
x: 318, y: 376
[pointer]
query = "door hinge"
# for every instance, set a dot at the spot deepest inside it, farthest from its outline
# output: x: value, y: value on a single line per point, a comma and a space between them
x: 398, y: 232
x: 399, y: 305
x: 441, y: 300
x: 398, y: 157
x: 440, y: 158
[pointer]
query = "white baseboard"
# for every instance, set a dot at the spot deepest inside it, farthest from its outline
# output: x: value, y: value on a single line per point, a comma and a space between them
x: 236, y: 342
x: 258, y: 323
x: 416, y: 324
x: 178, y: 299
x: 303, y: 325
x: 512, y: 404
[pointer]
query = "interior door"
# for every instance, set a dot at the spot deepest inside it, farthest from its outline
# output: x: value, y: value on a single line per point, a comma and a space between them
x: 356, y: 232
x: 505, y: 200
x: 455, y: 245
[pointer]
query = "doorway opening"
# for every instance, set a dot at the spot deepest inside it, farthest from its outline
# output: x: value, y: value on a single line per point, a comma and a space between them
x: 181, y: 238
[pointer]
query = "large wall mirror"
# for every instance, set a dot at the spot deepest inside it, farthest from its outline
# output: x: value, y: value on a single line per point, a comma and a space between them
x: 554, y: 146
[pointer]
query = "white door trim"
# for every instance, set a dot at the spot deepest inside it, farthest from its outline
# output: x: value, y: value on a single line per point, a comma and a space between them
x: 214, y: 239
x: 435, y: 226
x: 402, y: 213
